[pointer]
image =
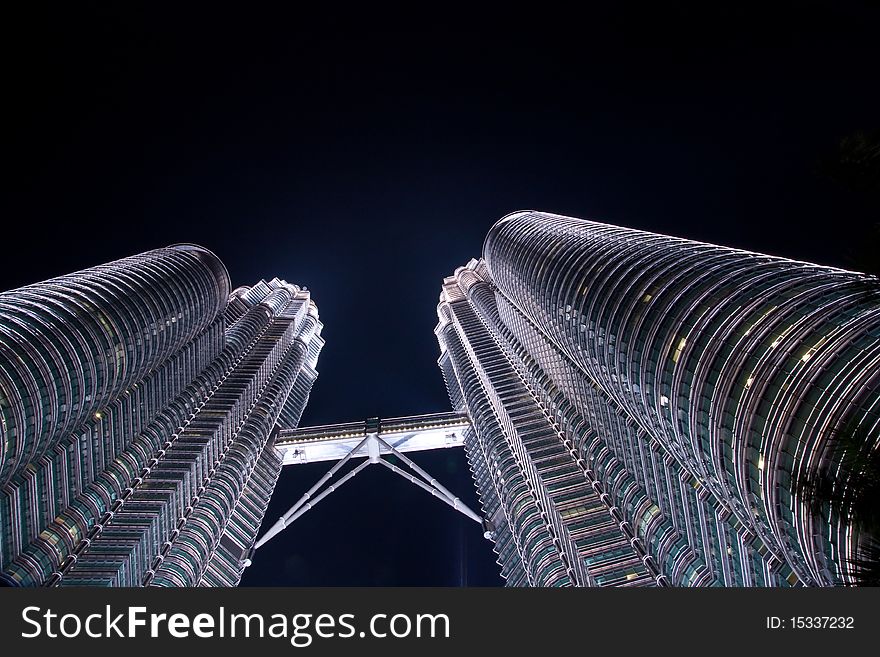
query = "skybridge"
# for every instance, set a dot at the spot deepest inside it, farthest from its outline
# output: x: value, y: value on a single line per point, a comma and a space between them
x: 332, y: 442
x: 372, y: 440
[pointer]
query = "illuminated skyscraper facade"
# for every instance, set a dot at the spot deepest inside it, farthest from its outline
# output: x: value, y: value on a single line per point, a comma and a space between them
x: 646, y: 409
x: 138, y: 406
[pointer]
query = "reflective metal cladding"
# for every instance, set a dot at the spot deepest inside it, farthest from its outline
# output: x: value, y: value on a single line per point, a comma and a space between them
x: 637, y: 410
x: 138, y: 402
x: 647, y: 409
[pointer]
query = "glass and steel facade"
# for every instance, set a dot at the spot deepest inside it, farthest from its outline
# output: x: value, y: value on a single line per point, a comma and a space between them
x: 138, y: 408
x: 652, y: 403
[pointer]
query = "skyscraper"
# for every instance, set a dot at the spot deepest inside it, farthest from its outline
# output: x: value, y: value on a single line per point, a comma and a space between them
x: 138, y: 401
x: 646, y: 409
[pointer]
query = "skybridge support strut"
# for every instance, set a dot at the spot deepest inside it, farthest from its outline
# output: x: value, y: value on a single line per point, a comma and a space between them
x: 299, y: 509
x: 448, y: 497
x: 455, y: 503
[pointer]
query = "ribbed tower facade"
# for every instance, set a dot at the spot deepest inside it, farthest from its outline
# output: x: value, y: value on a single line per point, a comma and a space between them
x: 138, y: 406
x: 645, y: 408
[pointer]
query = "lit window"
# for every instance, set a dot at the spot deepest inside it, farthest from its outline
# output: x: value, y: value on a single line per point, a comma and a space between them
x: 678, y: 350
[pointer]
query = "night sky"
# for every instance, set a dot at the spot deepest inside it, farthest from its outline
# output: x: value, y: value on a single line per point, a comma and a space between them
x: 366, y: 158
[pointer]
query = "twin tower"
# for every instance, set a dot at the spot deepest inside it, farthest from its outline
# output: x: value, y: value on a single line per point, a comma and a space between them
x: 637, y: 410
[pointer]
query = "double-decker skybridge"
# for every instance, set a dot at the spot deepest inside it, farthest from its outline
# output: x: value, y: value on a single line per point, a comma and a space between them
x: 373, y: 440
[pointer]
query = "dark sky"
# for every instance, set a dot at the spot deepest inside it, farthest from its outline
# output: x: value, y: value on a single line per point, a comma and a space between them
x: 366, y: 158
